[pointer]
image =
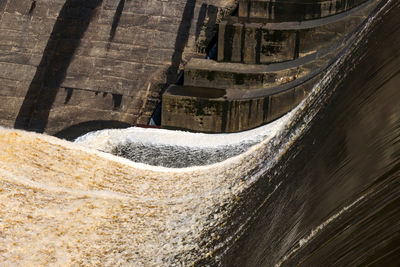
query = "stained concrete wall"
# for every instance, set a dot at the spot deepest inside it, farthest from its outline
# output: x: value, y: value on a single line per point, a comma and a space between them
x: 218, y: 97
x: 66, y: 63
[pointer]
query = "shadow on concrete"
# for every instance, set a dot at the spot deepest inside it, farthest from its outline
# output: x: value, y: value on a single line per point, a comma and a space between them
x: 181, y: 40
x: 80, y: 129
x: 72, y: 22
x: 116, y: 19
x: 209, y: 12
x: 200, y: 20
x: 33, y: 6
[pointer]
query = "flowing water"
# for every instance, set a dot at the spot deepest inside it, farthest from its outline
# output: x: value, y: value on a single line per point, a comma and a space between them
x: 177, y: 149
x: 318, y: 187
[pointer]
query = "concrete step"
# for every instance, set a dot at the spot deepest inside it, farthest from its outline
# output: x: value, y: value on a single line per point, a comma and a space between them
x: 224, y: 75
x: 292, y: 10
x: 215, y: 110
x: 249, y: 41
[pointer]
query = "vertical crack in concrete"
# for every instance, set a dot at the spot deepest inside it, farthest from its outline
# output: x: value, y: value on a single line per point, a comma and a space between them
x: 57, y: 56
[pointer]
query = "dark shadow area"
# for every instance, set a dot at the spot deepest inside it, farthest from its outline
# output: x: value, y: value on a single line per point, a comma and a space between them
x: 116, y: 19
x: 117, y: 100
x: 207, y: 22
x: 33, y: 6
x: 155, y: 119
x: 200, y: 20
x: 181, y: 40
x: 210, y: 13
x: 72, y: 22
x: 69, y: 95
x: 212, y: 48
x: 80, y: 129
x: 3, y: 5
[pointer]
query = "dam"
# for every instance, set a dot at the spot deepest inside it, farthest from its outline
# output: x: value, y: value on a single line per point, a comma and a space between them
x: 318, y: 185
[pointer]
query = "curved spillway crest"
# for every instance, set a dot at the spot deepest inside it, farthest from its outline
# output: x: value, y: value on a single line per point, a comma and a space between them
x: 177, y: 149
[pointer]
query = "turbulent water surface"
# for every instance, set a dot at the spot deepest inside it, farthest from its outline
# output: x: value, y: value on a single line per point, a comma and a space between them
x: 178, y: 149
x: 317, y: 187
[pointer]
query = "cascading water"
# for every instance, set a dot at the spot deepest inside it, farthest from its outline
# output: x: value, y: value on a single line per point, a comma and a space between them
x: 337, y: 203
x: 177, y: 149
x: 319, y: 186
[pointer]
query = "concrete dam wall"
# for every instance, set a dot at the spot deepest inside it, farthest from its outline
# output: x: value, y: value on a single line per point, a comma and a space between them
x: 69, y: 67
x: 269, y: 57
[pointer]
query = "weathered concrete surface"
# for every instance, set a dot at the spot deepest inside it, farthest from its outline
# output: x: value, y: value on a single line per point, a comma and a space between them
x: 215, y: 110
x: 250, y: 41
x: 290, y: 10
x: 231, y: 97
x: 226, y: 75
x: 67, y: 62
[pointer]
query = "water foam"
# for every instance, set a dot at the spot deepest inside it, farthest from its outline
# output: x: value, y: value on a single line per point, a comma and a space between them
x: 177, y: 149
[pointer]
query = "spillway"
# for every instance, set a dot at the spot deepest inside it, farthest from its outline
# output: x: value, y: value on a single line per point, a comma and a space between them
x: 318, y: 187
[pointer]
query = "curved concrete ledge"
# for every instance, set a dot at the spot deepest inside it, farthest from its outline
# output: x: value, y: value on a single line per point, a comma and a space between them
x: 190, y: 108
x: 229, y: 76
x: 214, y: 110
x: 250, y: 41
x: 289, y: 10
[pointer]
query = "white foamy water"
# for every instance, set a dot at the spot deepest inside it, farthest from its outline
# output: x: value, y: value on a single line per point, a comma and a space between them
x: 106, y: 139
x: 177, y: 149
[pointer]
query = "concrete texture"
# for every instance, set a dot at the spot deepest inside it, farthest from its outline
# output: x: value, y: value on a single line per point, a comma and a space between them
x: 289, y: 10
x: 65, y: 63
x: 216, y: 110
x: 267, y: 69
x: 249, y: 41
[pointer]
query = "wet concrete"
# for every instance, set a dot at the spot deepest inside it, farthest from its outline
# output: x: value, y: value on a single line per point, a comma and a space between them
x: 338, y: 202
